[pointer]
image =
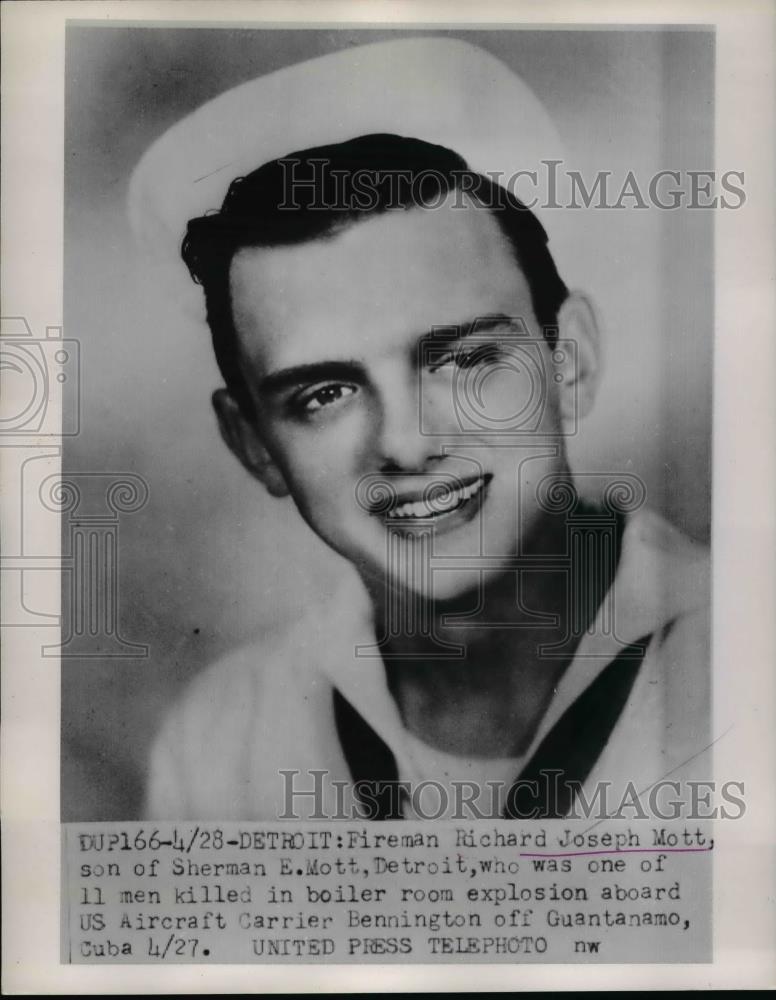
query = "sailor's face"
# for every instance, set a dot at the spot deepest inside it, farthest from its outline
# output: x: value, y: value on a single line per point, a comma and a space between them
x: 405, y: 394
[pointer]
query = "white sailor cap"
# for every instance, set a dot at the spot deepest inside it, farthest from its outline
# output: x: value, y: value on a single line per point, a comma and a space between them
x: 444, y: 91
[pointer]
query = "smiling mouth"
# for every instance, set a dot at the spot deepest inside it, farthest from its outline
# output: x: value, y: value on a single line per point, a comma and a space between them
x: 439, y: 503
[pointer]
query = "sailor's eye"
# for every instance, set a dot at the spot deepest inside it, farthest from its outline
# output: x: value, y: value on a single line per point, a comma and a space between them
x: 316, y: 398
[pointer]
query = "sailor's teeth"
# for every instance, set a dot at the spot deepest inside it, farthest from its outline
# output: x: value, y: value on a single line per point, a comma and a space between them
x: 439, y: 504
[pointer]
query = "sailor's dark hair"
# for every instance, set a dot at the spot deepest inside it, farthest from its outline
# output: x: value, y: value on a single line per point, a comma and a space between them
x: 313, y: 194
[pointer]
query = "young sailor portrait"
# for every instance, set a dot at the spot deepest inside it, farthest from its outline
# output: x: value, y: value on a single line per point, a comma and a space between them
x: 404, y: 361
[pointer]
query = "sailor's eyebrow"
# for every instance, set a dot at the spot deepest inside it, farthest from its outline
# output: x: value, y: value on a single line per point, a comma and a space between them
x: 477, y: 326
x: 349, y: 370
x: 319, y: 371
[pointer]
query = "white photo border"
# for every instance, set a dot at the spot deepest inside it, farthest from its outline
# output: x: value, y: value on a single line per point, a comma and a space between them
x: 742, y: 529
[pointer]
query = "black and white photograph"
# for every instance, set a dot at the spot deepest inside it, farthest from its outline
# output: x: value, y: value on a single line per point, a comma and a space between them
x: 435, y: 559
x: 386, y: 485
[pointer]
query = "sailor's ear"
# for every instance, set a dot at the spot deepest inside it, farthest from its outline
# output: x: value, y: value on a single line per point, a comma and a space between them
x: 244, y: 441
x: 578, y: 357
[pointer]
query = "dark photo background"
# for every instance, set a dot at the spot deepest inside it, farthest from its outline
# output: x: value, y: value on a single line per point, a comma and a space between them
x: 210, y: 560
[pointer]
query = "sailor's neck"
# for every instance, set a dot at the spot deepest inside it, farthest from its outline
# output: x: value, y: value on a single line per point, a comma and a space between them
x: 480, y: 682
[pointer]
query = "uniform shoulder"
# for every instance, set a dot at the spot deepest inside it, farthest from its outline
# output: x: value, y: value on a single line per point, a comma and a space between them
x: 683, y: 643
x: 225, y: 689
x: 232, y: 685
x: 197, y: 753
x: 655, y: 532
x: 662, y: 561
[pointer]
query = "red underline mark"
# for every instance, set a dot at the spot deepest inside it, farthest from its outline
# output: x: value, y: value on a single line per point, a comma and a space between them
x: 626, y: 850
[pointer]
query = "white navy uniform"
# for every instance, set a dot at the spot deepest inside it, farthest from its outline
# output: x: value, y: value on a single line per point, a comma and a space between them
x: 269, y: 708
